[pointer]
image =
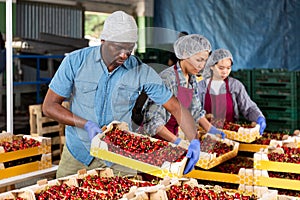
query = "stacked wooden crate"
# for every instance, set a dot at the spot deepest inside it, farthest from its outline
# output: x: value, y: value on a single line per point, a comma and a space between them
x: 41, y: 125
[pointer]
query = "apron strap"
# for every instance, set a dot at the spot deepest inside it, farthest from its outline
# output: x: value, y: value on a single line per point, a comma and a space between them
x: 177, y: 76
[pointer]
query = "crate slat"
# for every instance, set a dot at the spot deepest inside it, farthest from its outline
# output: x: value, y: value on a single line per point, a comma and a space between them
x: 42, y: 125
x: 44, y: 163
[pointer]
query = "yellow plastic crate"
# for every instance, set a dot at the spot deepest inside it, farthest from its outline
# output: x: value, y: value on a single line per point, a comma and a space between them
x: 208, y: 160
x: 214, y: 176
x: 251, y: 147
x: 261, y: 162
x: 246, y: 135
x: 44, y: 151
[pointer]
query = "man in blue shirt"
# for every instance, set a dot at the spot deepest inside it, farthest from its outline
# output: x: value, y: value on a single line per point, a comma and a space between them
x: 102, y: 84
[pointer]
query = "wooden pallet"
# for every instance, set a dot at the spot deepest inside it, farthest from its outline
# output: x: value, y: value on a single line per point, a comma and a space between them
x: 41, y: 125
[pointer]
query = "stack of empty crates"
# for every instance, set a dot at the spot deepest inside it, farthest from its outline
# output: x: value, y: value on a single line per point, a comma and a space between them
x: 244, y: 76
x: 41, y: 125
x: 277, y: 93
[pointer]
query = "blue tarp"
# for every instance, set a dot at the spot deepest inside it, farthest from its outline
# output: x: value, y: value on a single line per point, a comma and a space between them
x: 259, y: 33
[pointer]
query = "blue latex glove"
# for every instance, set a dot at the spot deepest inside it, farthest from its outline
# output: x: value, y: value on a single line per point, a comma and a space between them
x: 193, y: 154
x: 214, y: 130
x: 262, y: 123
x: 177, y: 141
x: 92, y: 128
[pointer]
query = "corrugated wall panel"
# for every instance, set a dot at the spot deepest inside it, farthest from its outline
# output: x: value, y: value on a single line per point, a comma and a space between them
x: 34, y: 18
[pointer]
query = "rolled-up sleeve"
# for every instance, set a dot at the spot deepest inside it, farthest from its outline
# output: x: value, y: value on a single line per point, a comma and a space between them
x: 155, y: 117
x: 155, y: 114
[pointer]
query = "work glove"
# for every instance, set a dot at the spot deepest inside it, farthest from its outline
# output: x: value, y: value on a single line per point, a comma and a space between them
x: 92, y: 128
x: 193, y: 154
x: 262, y: 123
x: 182, y: 143
x: 214, y: 130
x: 177, y: 141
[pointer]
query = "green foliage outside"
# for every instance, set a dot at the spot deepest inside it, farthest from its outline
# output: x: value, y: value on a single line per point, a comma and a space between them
x: 94, y: 23
x: 3, y: 18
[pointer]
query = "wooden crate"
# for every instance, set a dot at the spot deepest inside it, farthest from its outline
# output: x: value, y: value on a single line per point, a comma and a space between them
x: 41, y: 125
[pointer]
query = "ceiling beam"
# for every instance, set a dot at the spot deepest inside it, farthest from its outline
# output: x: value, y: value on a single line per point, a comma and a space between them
x: 107, y: 7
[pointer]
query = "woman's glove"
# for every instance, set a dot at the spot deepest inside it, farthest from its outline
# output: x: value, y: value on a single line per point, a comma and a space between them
x: 177, y: 141
x: 262, y: 123
x: 193, y: 154
x: 92, y: 128
x: 214, y: 130
x: 182, y: 143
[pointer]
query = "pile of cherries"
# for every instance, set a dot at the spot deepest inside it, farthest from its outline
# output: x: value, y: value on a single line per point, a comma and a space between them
x: 19, y: 143
x: 235, y: 126
x: 230, y: 126
x: 142, y: 148
x: 186, y: 192
x: 268, y: 136
x: 211, y: 145
x: 291, y: 155
x: 63, y: 191
x: 92, y: 187
x: 234, y: 165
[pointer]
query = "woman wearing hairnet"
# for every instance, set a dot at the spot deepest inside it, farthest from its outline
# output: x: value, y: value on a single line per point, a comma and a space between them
x: 192, y: 52
x: 223, y: 96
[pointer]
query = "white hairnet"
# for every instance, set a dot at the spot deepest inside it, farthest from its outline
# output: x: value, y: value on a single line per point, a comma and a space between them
x: 120, y: 27
x: 214, y: 58
x: 188, y: 45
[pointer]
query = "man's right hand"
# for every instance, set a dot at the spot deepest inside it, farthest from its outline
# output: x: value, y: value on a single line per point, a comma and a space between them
x: 92, y: 128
